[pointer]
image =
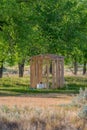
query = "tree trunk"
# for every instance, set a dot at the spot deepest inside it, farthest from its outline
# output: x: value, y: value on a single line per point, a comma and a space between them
x: 75, y: 67
x: 1, y: 70
x: 21, y: 68
x: 84, y: 68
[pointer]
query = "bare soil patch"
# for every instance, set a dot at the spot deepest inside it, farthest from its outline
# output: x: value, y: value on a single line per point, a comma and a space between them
x: 44, y: 100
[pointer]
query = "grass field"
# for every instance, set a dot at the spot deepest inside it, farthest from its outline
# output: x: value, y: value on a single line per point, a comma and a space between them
x: 19, y: 86
x: 21, y: 112
x: 39, y: 119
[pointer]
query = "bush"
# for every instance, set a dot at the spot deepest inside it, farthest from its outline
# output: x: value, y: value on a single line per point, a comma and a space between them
x: 81, y: 98
x: 83, y: 112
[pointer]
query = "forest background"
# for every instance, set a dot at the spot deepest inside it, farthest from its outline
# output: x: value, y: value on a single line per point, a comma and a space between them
x: 35, y: 27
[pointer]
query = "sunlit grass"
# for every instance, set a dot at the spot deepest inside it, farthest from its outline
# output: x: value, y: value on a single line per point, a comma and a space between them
x: 39, y: 118
x: 76, y: 82
x: 17, y: 86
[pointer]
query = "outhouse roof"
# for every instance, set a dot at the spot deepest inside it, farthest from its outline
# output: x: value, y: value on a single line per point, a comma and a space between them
x: 48, y: 56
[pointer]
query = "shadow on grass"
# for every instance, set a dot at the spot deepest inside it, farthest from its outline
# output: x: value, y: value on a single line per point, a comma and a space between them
x: 12, y: 85
x: 18, y: 92
x: 4, y: 94
x: 9, y: 88
x: 74, y: 86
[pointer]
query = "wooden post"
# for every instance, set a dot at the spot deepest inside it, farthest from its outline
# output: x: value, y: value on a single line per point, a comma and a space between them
x: 62, y: 72
x: 58, y: 73
x: 38, y: 67
x: 53, y: 74
x: 47, y: 67
x: 32, y: 73
x: 40, y: 62
x: 37, y: 71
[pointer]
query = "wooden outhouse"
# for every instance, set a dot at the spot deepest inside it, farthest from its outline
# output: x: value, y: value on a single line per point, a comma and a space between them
x: 47, y: 69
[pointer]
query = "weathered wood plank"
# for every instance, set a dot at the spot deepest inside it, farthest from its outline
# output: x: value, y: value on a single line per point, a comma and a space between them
x: 36, y: 68
x: 53, y: 74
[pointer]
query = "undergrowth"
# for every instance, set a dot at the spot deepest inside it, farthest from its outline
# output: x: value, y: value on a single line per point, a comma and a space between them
x: 39, y: 119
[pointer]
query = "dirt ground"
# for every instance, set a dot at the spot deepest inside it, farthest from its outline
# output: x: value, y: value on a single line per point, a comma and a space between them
x: 49, y: 100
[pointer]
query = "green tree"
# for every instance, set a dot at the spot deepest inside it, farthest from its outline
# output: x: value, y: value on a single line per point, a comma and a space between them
x: 61, y: 23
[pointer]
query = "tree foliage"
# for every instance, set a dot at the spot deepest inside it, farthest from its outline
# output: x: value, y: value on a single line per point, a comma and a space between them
x: 32, y: 27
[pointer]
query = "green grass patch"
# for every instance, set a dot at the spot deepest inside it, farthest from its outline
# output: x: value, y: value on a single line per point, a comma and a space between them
x: 12, y: 86
x: 76, y: 82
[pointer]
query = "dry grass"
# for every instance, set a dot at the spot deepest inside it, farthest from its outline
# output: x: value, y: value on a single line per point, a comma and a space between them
x: 35, y: 118
x: 39, y: 100
x: 42, y: 111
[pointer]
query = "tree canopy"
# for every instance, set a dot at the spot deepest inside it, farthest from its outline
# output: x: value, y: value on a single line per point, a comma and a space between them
x: 32, y: 27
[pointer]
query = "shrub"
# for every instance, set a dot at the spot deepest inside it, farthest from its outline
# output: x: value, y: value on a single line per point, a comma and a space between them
x: 81, y: 98
x: 83, y: 112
